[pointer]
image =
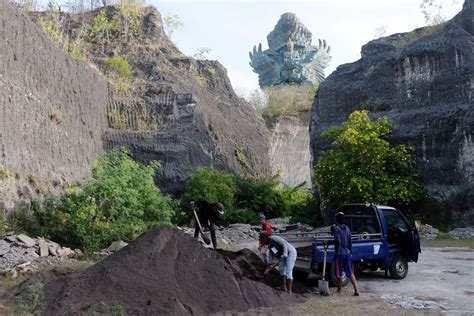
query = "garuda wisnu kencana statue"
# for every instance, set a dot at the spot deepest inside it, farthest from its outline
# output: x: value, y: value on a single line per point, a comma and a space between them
x: 290, y: 57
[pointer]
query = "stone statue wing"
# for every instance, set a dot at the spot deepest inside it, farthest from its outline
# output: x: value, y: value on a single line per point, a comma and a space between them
x: 317, y: 60
x: 265, y: 66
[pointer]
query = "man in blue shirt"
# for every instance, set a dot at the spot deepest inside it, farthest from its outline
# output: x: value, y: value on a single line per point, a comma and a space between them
x: 343, y: 252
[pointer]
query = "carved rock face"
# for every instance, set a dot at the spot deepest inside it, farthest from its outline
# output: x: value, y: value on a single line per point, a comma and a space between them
x: 290, y: 57
x: 423, y: 82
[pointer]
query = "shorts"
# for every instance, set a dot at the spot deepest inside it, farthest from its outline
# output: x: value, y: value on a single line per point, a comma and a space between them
x: 343, y: 264
x: 287, y: 264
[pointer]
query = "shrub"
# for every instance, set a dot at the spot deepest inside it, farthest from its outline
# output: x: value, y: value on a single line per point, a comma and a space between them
x: 361, y: 166
x: 245, y: 197
x: 261, y: 195
x: 5, y: 173
x: 212, y: 185
x: 288, y: 99
x: 118, y: 66
x: 120, y: 201
x: 410, y: 37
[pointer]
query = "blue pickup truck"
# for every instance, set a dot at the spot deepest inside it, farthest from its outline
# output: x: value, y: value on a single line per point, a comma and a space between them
x: 382, y: 238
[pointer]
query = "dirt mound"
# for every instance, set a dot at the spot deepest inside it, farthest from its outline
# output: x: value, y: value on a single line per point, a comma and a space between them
x: 165, y: 272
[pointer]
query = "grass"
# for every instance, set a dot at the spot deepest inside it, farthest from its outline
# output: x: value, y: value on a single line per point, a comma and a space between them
x: 444, y: 240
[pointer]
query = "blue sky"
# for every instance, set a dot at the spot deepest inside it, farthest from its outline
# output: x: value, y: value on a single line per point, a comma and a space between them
x: 231, y: 28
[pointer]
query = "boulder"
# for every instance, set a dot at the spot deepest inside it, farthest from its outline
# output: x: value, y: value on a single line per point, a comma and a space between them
x: 4, y: 247
x: 29, y: 242
x: 43, y: 248
x: 117, y: 245
x: 462, y: 233
x: 428, y: 231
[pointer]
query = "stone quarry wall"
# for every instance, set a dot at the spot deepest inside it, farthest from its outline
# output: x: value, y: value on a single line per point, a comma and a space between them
x: 425, y: 84
x: 290, y: 155
x: 52, y: 112
x: 181, y: 111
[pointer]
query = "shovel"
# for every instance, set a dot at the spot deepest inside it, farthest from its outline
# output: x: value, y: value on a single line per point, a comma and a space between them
x: 204, y: 237
x: 324, y: 285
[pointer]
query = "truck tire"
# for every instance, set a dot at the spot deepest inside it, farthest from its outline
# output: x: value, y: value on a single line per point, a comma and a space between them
x: 300, y: 275
x: 398, y: 267
x: 333, y: 279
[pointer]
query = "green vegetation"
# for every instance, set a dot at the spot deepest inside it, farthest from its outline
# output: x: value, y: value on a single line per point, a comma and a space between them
x: 444, y: 240
x: 118, y: 66
x: 31, y: 300
x: 361, y: 166
x: 410, y: 37
x: 172, y: 23
x: 241, y: 157
x: 201, y: 80
x: 201, y: 53
x: 244, y: 197
x: 56, y: 117
x: 289, y: 100
x: 5, y: 173
x: 120, y: 201
x: 4, y: 226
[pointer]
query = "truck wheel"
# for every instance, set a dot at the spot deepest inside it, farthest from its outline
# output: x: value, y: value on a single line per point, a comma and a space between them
x: 300, y: 275
x: 399, y: 267
x: 333, y: 279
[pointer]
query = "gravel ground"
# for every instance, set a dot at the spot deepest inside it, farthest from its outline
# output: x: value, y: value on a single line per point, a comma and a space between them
x: 439, y: 284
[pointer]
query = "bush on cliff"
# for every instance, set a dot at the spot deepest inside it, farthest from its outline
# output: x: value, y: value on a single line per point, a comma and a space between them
x: 362, y: 166
x: 120, y: 201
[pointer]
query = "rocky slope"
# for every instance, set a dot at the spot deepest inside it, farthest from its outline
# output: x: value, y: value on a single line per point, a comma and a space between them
x: 179, y: 110
x: 424, y: 82
x: 52, y: 112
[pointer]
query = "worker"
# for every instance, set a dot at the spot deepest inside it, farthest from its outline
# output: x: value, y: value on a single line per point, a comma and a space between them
x: 281, y: 249
x: 343, y: 252
x: 208, y: 214
x: 266, y: 227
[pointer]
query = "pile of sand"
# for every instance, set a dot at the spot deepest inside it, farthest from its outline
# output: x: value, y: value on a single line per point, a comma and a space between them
x: 165, y: 271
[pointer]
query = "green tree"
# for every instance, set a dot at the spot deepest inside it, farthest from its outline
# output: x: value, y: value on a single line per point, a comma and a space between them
x: 362, y: 166
x: 172, y: 23
x: 212, y: 185
x: 201, y: 53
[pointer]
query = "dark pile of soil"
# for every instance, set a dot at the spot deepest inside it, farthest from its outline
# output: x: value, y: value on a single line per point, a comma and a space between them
x: 166, y: 272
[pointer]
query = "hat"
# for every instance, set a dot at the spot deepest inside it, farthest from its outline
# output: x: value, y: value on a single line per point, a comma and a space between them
x: 261, y: 216
x: 220, y: 208
x: 340, y: 217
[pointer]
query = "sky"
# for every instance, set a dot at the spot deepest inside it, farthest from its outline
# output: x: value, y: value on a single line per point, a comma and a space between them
x: 230, y: 28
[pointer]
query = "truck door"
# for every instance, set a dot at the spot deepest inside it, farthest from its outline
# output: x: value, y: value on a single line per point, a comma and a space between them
x: 400, y: 234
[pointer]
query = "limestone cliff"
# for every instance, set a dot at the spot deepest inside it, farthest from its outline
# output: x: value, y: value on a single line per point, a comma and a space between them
x: 175, y: 109
x: 424, y: 82
x: 290, y: 155
x: 52, y: 112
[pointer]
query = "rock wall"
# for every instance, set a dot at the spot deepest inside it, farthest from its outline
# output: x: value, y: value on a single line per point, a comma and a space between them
x: 290, y: 155
x: 180, y: 111
x: 424, y: 82
x: 52, y: 112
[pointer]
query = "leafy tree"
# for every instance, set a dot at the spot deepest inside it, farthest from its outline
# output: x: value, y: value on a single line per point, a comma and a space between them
x: 201, y: 53
x: 261, y: 195
x: 172, y: 23
x: 120, y: 201
x: 362, y: 166
x: 212, y: 185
